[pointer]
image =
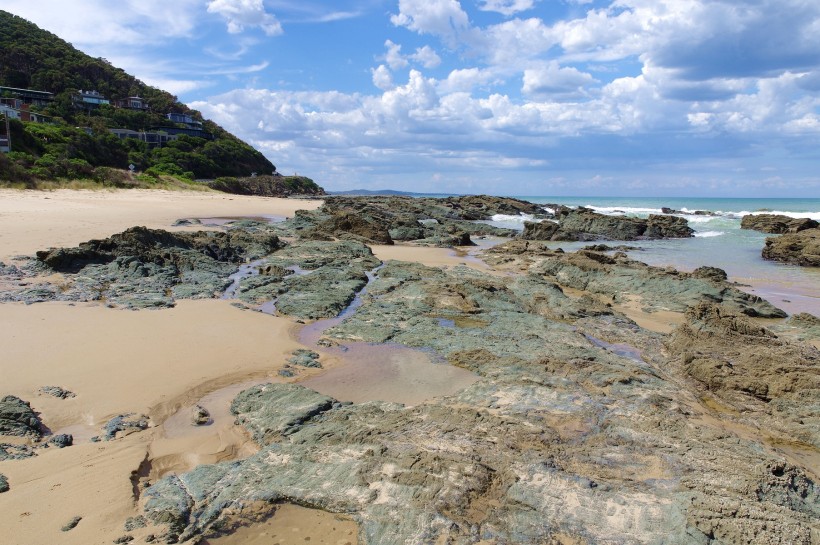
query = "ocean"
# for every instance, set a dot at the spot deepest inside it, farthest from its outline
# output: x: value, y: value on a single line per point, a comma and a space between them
x: 719, y: 242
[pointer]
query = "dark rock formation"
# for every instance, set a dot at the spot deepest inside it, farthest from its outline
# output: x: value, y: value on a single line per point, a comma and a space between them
x: 15, y: 452
x: 18, y: 418
x: 801, y: 248
x: 71, y: 524
x: 4, y: 484
x: 585, y: 224
x: 124, y: 424
x: 776, y: 224
x: 61, y: 440
x: 183, y: 251
x: 268, y: 186
x: 57, y: 391
x: 426, y: 221
x: 543, y: 230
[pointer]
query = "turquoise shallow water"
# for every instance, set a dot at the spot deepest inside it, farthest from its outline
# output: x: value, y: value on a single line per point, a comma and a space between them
x: 719, y: 242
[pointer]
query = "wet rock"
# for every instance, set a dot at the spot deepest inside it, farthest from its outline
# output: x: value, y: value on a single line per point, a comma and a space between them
x: 124, y: 424
x: 727, y: 352
x: 18, y: 418
x: 776, y: 224
x: 61, y: 440
x: 801, y: 248
x: 710, y: 273
x: 57, y: 391
x: 261, y: 409
x: 305, y: 358
x: 426, y: 221
x: 4, y: 484
x: 347, y: 225
x: 200, y: 415
x: 619, y: 277
x: 584, y: 224
x: 71, y: 524
x: 543, y: 230
x: 576, y: 405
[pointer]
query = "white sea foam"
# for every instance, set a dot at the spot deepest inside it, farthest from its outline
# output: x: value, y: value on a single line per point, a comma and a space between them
x: 548, y: 210
x: 709, y: 234
x: 620, y: 210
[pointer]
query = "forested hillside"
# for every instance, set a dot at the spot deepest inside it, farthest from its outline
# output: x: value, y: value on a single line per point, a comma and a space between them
x: 74, y: 141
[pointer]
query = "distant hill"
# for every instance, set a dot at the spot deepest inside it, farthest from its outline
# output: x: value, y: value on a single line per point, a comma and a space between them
x: 89, y: 97
x: 388, y: 193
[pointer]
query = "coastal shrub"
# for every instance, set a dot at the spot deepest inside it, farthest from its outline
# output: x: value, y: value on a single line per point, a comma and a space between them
x: 113, y: 177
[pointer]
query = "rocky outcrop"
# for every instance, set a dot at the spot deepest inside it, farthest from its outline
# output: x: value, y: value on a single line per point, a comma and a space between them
x: 585, y: 224
x: 576, y: 406
x: 543, y: 230
x: 18, y: 418
x: 426, y: 221
x: 728, y: 353
x: 801, y: 248
x: 776, y: 224
x: 163, y: 248
x: 268, y: 186
x: 348, y: 225
x: 57, y: 391
x: 620, y: 278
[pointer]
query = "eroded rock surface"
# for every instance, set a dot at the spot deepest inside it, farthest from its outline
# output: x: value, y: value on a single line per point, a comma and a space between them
x: 584, y: 427
x: 585, y: 224
x: 776, y: 224
x: 621, y: 278
x: 800, y: 248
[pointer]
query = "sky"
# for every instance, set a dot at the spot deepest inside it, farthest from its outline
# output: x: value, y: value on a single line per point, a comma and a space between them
x: 510, y: 97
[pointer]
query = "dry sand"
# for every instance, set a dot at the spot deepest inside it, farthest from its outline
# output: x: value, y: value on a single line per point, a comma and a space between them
x: 34, y: 220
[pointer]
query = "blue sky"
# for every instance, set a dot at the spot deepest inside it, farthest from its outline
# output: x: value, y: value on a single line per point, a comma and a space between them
x: 516, y: 97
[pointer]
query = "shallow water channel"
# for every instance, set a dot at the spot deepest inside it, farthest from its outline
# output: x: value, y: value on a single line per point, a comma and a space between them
x: 380, y: 372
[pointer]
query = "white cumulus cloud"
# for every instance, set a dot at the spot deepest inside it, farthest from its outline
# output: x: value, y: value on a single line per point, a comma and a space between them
x: 240, y: 14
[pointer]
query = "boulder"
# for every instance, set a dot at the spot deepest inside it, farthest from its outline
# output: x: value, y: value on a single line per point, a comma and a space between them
x: 18, y: 418
x: 586, y: 224
x: 776, y: 224
x: 801, y: 248
x: 543, y: 230
x: 200, y: 415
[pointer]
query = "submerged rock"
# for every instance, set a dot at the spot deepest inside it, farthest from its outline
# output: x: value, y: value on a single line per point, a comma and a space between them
x: 801, y: 248
x: 18, y: 418
x: 776, y: 224
x: 305, y: 358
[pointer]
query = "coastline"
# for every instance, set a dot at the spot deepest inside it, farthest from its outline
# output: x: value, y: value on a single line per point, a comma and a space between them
x: 157, y: 362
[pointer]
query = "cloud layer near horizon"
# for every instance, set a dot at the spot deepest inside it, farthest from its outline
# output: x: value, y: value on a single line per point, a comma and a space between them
x: 504, y: 96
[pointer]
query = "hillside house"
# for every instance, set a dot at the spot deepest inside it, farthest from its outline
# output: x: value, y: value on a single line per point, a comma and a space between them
x: 154, y: 139
x: 27, y: 96
x: 88, y: 100
x: 132, y: 103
